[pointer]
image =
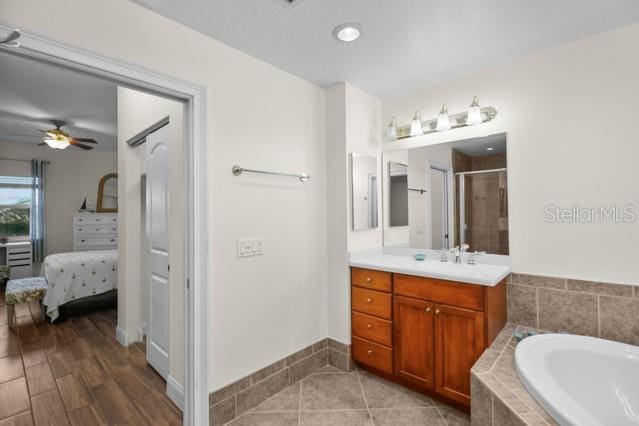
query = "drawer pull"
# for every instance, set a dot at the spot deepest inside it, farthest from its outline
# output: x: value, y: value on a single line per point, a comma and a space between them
x: 437, y: 311
x: 80, y: 229
x: 427, y: 309
x: 370, y: 352
x: 369, y: 300
x: 369, y: 325
x: 369, y: 280
x: 84, y: 241
x: 112, y: 240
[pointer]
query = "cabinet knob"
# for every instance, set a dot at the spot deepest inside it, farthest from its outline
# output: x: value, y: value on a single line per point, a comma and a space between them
x: 369, y: 279
x: 369, y: 325
x: 427, y: 309
x: 370, y: 352
x: 369, y: 300
x: 437, y: 311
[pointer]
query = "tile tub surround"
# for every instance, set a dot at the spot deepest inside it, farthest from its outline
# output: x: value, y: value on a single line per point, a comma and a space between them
x: 248, y: 392
x: 497, y: 395
x: 330, y: 396
x: 605, y: 310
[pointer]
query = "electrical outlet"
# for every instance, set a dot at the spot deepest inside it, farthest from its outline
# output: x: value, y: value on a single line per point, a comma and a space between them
x: 250, y: 247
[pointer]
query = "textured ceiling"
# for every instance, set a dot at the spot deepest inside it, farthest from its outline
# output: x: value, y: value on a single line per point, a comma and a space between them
x: 406, y: 44
x: 32, y: 94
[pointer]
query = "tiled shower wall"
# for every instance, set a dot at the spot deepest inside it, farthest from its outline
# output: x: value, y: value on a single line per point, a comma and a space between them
x: 606, y: 310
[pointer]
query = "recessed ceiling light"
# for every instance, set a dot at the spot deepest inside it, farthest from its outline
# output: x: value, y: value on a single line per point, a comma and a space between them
x: 490, y: 148
x: 347, y: 32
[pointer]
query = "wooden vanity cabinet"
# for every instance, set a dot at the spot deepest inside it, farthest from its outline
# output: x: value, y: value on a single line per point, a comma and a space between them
x: 431, y: 334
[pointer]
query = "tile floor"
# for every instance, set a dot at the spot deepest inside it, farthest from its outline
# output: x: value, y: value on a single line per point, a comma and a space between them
x: 332, y: 397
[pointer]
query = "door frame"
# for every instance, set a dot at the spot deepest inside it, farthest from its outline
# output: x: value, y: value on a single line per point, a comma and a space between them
x: 45, y: 49
x: 447, y: 171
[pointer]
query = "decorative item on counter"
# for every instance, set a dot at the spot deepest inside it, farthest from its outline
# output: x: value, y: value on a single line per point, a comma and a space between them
x: 531, y: 333
x: 420, y: 257
x: 519, y: 336
x: 83, y: 207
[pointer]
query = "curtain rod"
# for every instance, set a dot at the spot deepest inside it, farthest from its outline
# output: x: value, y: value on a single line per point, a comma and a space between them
x: 26, y: 161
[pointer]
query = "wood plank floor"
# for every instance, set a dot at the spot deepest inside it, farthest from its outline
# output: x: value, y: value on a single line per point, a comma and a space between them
x: 76, y: 373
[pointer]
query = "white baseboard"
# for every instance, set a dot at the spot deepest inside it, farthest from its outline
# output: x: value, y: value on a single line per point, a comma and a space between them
x: 141, y: 332
x: 122, y: 336
x: 175, y: 391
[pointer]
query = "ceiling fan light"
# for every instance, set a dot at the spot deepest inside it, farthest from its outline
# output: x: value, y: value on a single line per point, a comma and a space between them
x: 474, y: 113
x: 443, y: 121
x: 391, y: 130
x: 57, y: 143
x: 416, y: 126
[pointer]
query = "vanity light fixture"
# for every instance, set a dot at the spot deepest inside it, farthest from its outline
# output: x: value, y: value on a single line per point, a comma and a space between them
x: 416, y: 126
x: 348, y: 32
x: 443, y: 121
x: 474, y: 113
x: 391, y: 130
x: 490, y: 148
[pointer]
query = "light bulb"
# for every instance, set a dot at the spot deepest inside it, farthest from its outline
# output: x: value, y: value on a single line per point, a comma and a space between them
x: 443, y: 121
x: 474, y: 113
x: 416, y: 127
x: 391, y: 130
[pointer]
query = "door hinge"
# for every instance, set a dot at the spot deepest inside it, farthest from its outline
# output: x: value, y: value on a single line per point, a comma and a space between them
x: 168, y: 267
x: 188, y: 283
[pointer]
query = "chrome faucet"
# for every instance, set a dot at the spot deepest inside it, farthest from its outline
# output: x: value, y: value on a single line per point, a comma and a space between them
x: 459, y: 252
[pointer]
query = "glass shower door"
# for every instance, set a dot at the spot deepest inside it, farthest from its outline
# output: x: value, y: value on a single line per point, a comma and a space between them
x: 483, y: 211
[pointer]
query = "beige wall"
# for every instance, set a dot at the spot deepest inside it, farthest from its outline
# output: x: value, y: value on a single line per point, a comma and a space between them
x: 261, y: 308
x: 570, y: 115
x: 72, y: 176
x: 136, y: 112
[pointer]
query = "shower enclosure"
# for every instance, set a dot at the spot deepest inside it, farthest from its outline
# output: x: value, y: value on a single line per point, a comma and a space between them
x: 482, y: 199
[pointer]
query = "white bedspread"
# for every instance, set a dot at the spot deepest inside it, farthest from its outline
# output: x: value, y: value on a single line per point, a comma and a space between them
x: 76, y: 275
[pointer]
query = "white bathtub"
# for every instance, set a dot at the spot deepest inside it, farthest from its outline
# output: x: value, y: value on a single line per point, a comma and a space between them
x: 581, y: 380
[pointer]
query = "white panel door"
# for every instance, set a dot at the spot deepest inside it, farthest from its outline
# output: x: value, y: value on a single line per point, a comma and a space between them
x: 157, y: 247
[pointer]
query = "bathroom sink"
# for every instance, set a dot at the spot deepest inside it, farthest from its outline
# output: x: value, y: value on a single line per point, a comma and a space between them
x: 483, y: 274
x: 581, y: 380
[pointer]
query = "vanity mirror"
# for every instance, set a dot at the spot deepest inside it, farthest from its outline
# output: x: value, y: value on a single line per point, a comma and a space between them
x: 445, y: 195
x: 364, y: 184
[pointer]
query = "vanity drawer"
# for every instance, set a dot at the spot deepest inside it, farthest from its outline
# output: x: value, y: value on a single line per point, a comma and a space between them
x: 373, y: 329
x: 371, y: 302
x: 369, y: 353
x: 469, y: 296
x: 368, y: 278
x: 95, y: 220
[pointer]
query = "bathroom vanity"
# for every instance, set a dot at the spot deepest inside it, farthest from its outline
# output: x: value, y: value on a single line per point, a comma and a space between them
x: 422, y: 331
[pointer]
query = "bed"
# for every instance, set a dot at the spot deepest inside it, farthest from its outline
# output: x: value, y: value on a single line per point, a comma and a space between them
x: 77, y: 275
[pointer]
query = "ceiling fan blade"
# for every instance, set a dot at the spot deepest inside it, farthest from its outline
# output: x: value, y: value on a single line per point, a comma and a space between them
x: 21, y: 135
x: 42, y: 143
x: 85, y: 140
x: 79, y: 145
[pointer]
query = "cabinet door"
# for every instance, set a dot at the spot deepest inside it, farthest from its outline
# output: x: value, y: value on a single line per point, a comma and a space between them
x: 459, y: 341
x: 414, y: 338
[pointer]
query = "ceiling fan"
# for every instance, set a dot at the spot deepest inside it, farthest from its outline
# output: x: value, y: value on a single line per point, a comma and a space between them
x: 59, y: 139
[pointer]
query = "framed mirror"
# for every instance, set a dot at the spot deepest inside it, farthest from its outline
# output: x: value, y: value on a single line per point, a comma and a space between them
x: 364, y: 183
x: 108, y: 194
x: 444, y: 195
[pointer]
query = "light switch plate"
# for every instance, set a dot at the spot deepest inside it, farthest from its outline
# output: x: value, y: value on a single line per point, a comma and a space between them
x: 250, y: 247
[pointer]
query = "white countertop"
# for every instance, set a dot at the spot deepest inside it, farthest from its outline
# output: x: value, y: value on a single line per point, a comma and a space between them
x: 482, y: 273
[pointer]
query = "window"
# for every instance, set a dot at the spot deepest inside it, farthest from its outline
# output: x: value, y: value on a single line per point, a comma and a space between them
x: 15, y: 207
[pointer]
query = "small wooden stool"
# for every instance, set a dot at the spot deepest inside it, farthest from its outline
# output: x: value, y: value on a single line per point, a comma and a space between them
x: 25, y: 290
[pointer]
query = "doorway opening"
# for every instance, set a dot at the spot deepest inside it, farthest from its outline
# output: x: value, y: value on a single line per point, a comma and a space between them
x: 193, y: 226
